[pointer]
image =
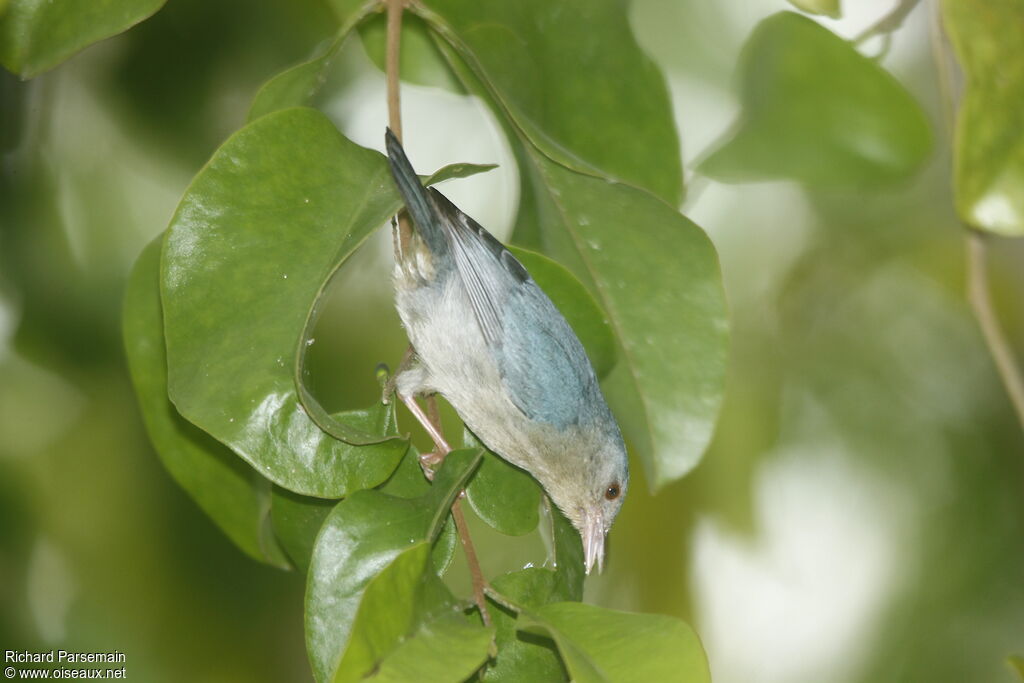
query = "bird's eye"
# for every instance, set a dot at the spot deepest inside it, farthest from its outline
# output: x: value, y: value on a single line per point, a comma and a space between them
x: 612, y: 492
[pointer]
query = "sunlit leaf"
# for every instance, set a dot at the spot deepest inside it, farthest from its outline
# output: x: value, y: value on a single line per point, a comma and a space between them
x: 501, y: 494
x: 361, y: 536
x: 606, y: 646
x: 989, y: 147
x: 235, y: 497
x: 36, y: 36
x: 828, y: 8
x: 817, y: 111
x: 574, y: 302
x: 572, y: 78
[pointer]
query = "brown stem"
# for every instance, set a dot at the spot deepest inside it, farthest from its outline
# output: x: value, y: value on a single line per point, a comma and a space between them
x: 980, y: 298
x: 394, y: 46
x: 433, y: 417
x: 476, y: 574
x: 391, y: 64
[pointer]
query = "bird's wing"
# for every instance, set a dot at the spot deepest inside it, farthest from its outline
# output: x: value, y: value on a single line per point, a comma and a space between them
x: 543, y: 365
x: 487, y: 270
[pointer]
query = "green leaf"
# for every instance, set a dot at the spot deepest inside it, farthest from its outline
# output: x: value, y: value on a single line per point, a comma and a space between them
x: 445, y: 650
x: 501, y: 494
x: 257, y: 236
x: 989, y: 144
x: 404, y: 614
x: 297, y: 520
x: 605, y: 646
x: 36, y: 36
x: 817, y: 111
x: 655, y: 275
x: 657, y: 278
x: 420, y: 61
x: 828, y: 8
x: 408, y: 481
x: 524, y: 657
x: 573, y: 80
x: 459, y: 170
x: 361, y: 536
x: 576, y: 304
x: 234, y: 496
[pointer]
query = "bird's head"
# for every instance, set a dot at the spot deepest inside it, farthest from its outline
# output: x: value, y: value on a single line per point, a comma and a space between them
x: 591, y: 493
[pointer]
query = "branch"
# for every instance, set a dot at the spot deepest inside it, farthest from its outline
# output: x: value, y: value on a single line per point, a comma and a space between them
x: 981, y: 302
x: 889, y: 23
x: 393, y: 53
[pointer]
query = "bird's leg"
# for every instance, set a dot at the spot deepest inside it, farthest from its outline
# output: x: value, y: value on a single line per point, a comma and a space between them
x: 428, y: 461
x: 441, y: 448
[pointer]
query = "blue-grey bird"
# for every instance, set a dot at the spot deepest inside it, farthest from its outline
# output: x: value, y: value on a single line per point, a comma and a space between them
x: 490, y: 341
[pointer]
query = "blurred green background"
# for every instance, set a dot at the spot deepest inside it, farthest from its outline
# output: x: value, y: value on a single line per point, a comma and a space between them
x: 858, y: 517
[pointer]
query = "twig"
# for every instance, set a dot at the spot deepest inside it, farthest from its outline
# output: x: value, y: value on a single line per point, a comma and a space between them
x: 432, y: 423
x: 391, y: 64
x: 981, y: 302
x: 889, y: 23
x: 476, y: 574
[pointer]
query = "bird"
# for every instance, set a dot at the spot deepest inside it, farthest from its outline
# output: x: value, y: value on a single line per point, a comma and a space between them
x: 488, y: 339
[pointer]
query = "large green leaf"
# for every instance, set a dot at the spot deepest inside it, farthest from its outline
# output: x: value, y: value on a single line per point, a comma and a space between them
x: 361, y: 536
x: 407, y: 612
x: 235, y: 497
x: 989, y: 144
x: 656, y: 275
x: 36, y: 36
x: 606, y: 646
x: 501, y: 494
x: 254, y: 241
x: 572, y: 78
x: 817, y: 111
x: 574, y: 302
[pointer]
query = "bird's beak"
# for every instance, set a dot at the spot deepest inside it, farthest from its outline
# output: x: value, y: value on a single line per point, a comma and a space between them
x: 593, y: 542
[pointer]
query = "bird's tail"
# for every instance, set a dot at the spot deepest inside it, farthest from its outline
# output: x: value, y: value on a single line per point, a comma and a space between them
x: 417, y: 200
